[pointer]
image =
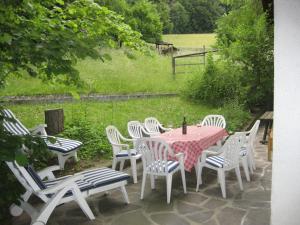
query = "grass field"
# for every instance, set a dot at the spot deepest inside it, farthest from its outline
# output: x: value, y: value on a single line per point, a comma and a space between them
x: 169, y: 111
x: 190, y: 40
x: 121, y: 75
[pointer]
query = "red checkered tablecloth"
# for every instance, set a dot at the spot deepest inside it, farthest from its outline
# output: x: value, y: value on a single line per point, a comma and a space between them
x: 194, y: 142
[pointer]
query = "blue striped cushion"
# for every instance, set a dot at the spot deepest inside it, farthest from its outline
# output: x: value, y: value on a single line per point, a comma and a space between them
x: 35, y: 177
x: 14, y: 127
x: 124, y: 153
x: 217, y: 161
x: 17, y: 128
x: 62, y: 145
x: 103, y: 176
x: 158, y: 166
x: 243, y: 151
x: 93, y: 179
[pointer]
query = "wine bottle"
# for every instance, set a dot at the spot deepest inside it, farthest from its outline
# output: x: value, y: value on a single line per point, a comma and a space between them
x: 184, y: 128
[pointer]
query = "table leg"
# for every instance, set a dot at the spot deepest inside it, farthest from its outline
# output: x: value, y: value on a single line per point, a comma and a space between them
x: 264, y: 141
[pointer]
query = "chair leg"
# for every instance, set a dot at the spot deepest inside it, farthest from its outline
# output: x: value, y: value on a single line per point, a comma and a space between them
x: 82, y: 203
x: 125, y: 195
x: 169, y: 187
x: 114, y: 163
x: 250, y: 162
x: 152, y: 180
x: 143, y: 184
x: 76, y: 157
x: 122, y: 164
x: 199, y: 177
x: 133, y: 169
x: 61, y: 161
x: 246, y: 168
x: 239, y: 177
x: 221, y: 175
x: 183, y: 178
x: 16, y: 210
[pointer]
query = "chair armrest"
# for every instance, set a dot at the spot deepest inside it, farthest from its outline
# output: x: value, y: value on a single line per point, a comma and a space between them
x: 121, y: 145
x: 179, y: 155
x: 39, y: 129
x: 207, y: 152
x: 48, y: 172
x: 126, y: 139
x: 55, y: 188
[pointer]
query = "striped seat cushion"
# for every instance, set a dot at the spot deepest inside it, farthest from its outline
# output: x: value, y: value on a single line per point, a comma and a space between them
x: 62, y: 145
x: 124, y: 153
x: 243, y: 151
x: 103, y: 176
x: 159, y: 166
x: 217, y: 161
x: 92, y: 179
x: 15, y: 127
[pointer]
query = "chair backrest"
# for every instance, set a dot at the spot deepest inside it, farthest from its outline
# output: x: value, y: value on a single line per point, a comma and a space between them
x: 135, y: 129
x: 231, y: 149
x: 252, y: 134
x: 13, y: 125
x: 214, y: 120
x: 155, y: 154
x: 23, y: 176
x: 114, y: 137
x: 152, y: 125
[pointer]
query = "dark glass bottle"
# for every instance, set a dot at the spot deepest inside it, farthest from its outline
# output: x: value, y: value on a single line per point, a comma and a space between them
x: 184, y: 128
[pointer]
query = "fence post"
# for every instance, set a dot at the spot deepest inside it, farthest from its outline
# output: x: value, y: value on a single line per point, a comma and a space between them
x: 204, y: 54
x: 173, y: 66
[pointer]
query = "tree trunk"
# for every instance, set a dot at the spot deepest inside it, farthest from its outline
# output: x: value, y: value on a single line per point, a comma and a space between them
x: 54, y: 119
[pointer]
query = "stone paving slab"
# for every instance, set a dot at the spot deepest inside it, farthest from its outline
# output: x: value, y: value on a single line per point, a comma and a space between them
x: 206, y: 207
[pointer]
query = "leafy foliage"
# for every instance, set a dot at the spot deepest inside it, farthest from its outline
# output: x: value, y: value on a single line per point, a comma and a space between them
x: 245, y: 68
x: 45, y: 38
x: 246, y: 40
x: 95, y: 142
x: 218, y: 84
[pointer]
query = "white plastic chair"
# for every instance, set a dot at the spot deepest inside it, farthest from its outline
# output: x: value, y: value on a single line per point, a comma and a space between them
x: 248, y: 150
x: 227, y: 160
x: 136, y: 130
x: 214, y: 120
x: 152, y: 125
x: 122, y: 151
x: 56, y: 191
x: 155, y: 156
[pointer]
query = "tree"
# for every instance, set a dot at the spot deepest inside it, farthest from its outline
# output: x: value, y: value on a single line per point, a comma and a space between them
x: 145, y: 19
x: 163, y: 9
x: 45, y: 38
x: 203, y: 15
x: 179, y: 17
x: 245, y: 39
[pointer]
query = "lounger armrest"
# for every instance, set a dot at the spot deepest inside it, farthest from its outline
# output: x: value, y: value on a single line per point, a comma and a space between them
x: 39, y: 129
x: 48, y: 172
x: 165, y: 128
x: 55, y: 188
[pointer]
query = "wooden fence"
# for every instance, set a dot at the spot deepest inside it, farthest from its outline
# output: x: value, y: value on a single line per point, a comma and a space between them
x: 201, y: 55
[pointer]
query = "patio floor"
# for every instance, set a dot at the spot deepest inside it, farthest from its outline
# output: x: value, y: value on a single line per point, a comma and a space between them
x: 206, y: 207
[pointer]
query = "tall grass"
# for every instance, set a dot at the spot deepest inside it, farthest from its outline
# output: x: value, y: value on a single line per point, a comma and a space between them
x: 169, y: 111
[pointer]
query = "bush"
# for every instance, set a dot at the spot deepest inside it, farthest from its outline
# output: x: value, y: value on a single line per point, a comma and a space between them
x: 235, y: 114
x: 218, y: 83
x: 95, y: 142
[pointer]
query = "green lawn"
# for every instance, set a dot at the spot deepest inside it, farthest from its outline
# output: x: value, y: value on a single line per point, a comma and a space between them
x: 169, y: 110
x: 121, y: 75
x: 190, y: 40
